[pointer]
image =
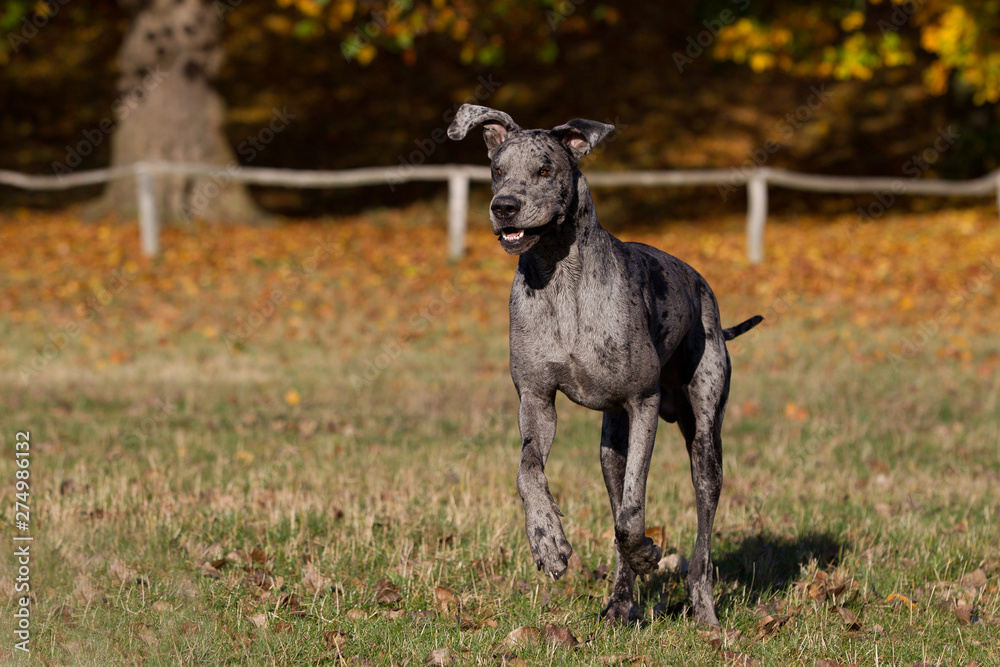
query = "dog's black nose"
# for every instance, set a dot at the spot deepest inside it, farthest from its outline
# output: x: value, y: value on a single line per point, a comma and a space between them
x: 505, y: 207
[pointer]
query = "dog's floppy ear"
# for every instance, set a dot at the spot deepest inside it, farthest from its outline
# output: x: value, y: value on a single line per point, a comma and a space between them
x: 581, y: 136
x: 496, y: 125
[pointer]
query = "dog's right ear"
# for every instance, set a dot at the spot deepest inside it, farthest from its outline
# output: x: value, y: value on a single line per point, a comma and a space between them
x: 496, y: 125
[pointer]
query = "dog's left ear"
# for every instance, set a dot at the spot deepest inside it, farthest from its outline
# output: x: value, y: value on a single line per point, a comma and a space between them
x: 581, y: 136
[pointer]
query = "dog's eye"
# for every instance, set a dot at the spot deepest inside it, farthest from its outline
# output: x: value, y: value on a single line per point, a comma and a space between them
x: 543, y: 172
x: 499, y: 172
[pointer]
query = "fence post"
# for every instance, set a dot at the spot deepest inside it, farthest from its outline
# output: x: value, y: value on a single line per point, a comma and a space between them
x: 458, y: 209
x: 756, y: 214
x: 998, y: 191
x: 149, y: 222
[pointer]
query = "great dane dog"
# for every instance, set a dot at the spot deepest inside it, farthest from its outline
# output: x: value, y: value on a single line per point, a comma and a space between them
x: 618, y: 327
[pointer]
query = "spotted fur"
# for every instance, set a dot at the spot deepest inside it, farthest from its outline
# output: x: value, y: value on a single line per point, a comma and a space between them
x: 622, y: 328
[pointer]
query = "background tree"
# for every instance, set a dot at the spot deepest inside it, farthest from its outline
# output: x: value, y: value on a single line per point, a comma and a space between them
x: 956, y: 45
x: 168, y: 108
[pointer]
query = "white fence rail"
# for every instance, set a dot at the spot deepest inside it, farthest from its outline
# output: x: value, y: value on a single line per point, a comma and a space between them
x: 459, y: 176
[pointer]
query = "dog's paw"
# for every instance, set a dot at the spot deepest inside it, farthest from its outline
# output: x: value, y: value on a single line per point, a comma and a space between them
x: 549, y: 546
x: 643, y: 558
x: 620, y: 611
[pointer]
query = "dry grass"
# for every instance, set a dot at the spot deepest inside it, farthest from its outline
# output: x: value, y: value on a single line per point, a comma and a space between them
x: 855, y: 468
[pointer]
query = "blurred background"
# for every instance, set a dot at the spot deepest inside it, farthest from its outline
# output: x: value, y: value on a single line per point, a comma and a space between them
x: 690, y: 84
x: 290, y: 437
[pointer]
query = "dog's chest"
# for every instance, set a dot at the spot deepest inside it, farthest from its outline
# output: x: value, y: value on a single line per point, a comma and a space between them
x: 591, y: 344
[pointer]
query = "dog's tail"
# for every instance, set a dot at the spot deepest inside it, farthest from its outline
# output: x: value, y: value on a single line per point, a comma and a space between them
x: 741, y: 328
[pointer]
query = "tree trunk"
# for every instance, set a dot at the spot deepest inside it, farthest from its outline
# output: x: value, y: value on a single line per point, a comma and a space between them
x: 169, y: 111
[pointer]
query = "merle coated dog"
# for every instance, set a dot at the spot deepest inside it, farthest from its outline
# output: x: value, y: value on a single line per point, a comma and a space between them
x: 618, y: 327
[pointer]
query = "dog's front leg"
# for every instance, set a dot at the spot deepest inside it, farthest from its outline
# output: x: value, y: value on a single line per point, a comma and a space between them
x: 630, y: 523
x: 537, y: 420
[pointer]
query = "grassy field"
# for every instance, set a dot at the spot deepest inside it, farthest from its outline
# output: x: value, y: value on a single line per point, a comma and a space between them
x: 298, y: 446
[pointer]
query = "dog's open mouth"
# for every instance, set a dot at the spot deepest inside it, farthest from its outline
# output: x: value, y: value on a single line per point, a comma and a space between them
x: 516, y: 240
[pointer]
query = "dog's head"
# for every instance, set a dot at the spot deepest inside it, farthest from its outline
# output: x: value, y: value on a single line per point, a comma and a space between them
x: 533, y: 171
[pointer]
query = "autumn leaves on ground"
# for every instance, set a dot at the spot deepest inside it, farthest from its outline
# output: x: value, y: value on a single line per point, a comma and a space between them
x: 297, y: 445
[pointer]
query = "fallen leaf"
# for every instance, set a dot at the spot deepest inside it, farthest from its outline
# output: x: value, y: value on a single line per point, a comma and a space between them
x: 386, y: 592
x: 441, y: 656
x: 659, y: 536
x: 738, y: 659
x: 675, y: 564
x: 559, y: 635
x: 966, y: 614
x: 260, y: 578
x: 769, y: 626
x: 719, y: 638
x: 976, y: 579
x: 831, y: 663
x: 292, y: 397
x: 209, y: 570
x: 121, y: 573
x: 356, y: 614
x: 523, y: 636
x: 259, y: 620
x: 312, y: 581
x: 290, y: 603
x: 444, y: 599
x: 899, y: 598
x: 336, y: 639
x: 850, y: 618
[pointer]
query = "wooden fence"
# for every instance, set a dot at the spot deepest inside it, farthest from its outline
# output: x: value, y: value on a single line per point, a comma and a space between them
x: 459, y: 177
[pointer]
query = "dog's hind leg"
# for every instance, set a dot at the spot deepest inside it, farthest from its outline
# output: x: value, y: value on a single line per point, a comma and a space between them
x: 614, y: 453
x: 701, y: 424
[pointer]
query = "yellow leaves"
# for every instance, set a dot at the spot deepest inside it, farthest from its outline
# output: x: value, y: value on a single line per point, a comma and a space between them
x: 796, y: 412
x: 366, y: 54
x: 951, y: 34
x: 278, y: 24
x: 899, y: 598
x: 852, y: 21
x: 292, y: 397
x: 760, y: 62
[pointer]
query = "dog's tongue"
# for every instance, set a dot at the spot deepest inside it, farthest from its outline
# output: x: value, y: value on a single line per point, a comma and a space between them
x: 514, y: 235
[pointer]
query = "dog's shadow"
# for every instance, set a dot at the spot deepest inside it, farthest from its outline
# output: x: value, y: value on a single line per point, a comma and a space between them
x: 753, y: 568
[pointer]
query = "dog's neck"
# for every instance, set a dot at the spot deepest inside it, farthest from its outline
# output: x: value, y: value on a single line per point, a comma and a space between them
x: 559, y: 255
